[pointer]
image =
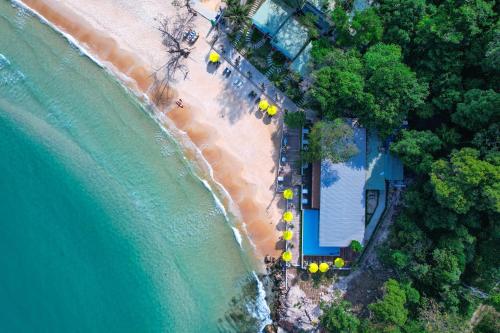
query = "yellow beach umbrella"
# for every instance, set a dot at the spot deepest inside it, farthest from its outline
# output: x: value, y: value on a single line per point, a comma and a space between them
x: 287, y: 235
x: 339, y: 262
x: 323, y: 267
x: 288, y: 194
x: 263, y: 104
x: 272, y: 110
x: 313, y: 267
x: 286, y: 256
x: 288, y: 216
x: 214, y: 56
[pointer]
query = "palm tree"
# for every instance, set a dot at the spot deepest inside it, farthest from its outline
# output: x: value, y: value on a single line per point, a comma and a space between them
x: 236, y: 13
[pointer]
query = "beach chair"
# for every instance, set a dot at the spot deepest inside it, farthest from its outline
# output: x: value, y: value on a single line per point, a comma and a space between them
x: 305, y: 191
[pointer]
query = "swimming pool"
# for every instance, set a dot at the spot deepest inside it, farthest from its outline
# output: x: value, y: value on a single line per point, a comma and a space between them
x: 310, y: 236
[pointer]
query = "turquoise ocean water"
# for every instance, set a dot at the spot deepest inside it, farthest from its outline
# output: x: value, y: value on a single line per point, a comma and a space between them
x: 104, y: 227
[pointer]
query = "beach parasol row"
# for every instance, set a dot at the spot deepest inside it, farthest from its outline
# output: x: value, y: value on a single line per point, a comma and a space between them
x: 263, y: 105
x: 286, y: 256
x: 324, y: 267
x: 313, y: 267
x: 270, y: 109
x: 287, y: 235
x: 339, y: 262
x: 288, y: 216
x: 214, y: 57
x: 288, y: 194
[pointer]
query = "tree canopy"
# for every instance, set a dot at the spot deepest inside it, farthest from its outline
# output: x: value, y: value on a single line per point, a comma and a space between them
x: 425, y: 75
x: 333, y: 140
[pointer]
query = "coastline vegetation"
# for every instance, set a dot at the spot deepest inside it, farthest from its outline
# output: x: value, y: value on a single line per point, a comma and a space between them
x: 433, y: 65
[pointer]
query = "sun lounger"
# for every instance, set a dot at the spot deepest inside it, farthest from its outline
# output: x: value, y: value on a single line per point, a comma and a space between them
x: 305, y: 191
x: 305, y: 130
x: 305, y: 201
x: 280, y: 178
x: 305, y: 142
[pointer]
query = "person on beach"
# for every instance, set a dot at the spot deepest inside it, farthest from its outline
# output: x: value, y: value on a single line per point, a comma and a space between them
x: 179, y: 103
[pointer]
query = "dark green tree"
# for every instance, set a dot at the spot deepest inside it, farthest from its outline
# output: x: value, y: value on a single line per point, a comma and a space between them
x: 342, y: 27
x: 479, y: 109
x: 416, y: 149
x: 394, y: 86
x: 367, y: 28
x: 333, y: 140
x: 467, y: 181
x: 400, y: 18
x: 295, y: 119
x: 391, y: 308
x: 337, y: 318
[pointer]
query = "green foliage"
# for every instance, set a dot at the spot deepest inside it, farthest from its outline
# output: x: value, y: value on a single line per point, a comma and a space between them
x: 393, y: 85
x: 435, y: 64
x: 341, y: 21
x: 308, y: 20
x: 367, y: 27
x: 377, y: 88
x: 400, y: 18
x: 295, y: 119
x: 494, y: 300
x: 490, y: 323
x: 479, y: 109
x: 338, y: 318
x: 466, y: 181
x: 415, y: 149
x: 391, y: 308
x: 236, y: 13
x: 356, y: 246
x: 331, y: 140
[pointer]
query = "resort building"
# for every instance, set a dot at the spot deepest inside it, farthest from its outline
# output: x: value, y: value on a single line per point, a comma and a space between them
x: 342, y: 202
x: 278, y: 21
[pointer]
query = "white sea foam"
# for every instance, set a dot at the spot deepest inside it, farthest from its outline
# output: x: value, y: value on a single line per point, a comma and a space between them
x: 70, y: 38
x: 4, y: 62
x: 259, y: 309
x: 237, y: 236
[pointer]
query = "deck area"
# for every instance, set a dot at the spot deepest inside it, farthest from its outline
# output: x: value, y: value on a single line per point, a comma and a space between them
x: 289, y: 177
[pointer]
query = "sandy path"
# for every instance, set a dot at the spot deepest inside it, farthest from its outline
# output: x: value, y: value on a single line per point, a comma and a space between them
x: 237, y: 141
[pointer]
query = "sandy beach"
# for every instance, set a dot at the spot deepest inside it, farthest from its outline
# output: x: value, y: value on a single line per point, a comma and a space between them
x: 239, y: 143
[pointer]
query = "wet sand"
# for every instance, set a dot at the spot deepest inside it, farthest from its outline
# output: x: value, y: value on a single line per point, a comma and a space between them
x: 234, y: 138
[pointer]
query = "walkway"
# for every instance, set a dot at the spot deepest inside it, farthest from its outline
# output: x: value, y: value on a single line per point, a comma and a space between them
x: 289, y: 170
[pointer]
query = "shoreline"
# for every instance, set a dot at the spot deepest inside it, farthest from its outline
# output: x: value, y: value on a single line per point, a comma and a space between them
x: 196, y: 138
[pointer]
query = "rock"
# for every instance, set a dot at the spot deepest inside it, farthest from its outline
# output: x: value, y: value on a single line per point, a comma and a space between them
x: 269, y: 329
x: 267, y: 259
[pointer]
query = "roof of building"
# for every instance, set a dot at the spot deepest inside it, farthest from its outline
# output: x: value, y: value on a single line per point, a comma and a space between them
x: 382, y: 165
x: 291, y: 38
x: 270, y: 16
x: 300, y: 63
x: 310, y: 234
x: 320, y: 5
x: 342, y: 214
x: 375, y: 174
x: 393, y: 168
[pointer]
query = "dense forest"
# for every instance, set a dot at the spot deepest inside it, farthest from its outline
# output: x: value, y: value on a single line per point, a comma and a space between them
x: 433, y: 65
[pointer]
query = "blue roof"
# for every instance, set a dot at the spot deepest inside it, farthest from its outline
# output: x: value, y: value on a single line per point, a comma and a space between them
x: 300, y: 64
x: 291, y: 38
x: 393, y: 168
x: 342, y: 197
x: 270, y: 17
x: 310, y: 236
x: 375, y: 175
